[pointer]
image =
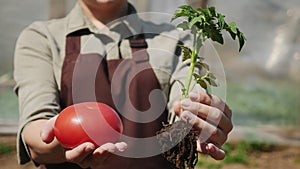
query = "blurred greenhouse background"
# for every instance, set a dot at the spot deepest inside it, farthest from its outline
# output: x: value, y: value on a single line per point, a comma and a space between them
x: 263, y: 81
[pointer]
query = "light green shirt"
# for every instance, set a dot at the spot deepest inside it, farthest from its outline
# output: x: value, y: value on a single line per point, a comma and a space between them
x: 40, y: 52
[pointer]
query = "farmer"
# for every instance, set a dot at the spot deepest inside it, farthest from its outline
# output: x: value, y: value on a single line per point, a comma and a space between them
x: 46, y: 73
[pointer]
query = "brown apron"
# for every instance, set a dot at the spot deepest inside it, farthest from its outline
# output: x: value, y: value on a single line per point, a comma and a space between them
x: 138, y: 89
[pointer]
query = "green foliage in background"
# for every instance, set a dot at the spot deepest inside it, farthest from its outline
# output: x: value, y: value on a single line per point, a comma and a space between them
x: 264, y: 102
x: 236, y: 153
x: 5, y: 149
x: 9, y: 105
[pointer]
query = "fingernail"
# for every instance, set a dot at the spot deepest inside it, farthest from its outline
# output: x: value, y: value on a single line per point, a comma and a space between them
x: 43, y: 136
x: 211, y: 149
x: 90, y: 148
x: 194, y: 96
x: 187, y: 116
x: 121, y: 146
x: 186, y: 103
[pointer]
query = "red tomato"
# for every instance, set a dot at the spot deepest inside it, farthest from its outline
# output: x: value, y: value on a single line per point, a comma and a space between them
x: 87, y: 122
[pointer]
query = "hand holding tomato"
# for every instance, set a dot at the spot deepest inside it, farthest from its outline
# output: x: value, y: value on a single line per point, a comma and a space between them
x: 86, y: 154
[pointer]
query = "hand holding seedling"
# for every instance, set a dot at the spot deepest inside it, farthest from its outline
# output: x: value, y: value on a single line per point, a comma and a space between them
x: 207, y: 113
x: 210, y: 115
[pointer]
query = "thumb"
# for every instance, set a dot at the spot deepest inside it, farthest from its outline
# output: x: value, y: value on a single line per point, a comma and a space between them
x: 47, y: 132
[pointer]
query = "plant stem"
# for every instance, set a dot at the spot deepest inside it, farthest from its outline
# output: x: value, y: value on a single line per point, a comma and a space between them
x: 195, y: 51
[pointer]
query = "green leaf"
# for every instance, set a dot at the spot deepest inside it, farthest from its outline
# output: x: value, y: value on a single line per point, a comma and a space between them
x: 232, y: 26
x: 187, y: 52
x: 201, y: 65
x: 196, y: 20
x: 210, y: 78
x: 194, y: 30
x: 184, y: 11
x: 221, y: 21
x: 216, y: 36
x: 212, y: 82
x: 196, y: 76
x: 242, y: 39
x: 212, y: 11
x: 186, y: 7
x: 200, y: 81
x: 233, y: 35
x: 178, y: 13
x: 184, y: 25
x: 204, y: 12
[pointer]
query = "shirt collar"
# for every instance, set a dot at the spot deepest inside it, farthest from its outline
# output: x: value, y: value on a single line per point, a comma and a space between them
x: 75, y: 20
x: 126, y: 26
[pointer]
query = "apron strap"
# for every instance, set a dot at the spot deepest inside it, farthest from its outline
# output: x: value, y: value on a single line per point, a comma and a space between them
x: 138, y: 43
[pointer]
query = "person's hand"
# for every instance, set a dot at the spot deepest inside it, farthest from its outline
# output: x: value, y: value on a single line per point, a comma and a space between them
x: 211, y: 116
x: 86, y: 154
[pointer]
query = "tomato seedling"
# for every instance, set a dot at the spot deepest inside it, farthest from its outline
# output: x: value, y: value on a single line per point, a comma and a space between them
x: 204, y: 24
x: 92, y: 122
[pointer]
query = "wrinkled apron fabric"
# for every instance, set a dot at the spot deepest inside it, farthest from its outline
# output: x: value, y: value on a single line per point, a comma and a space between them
x: 125, y: 85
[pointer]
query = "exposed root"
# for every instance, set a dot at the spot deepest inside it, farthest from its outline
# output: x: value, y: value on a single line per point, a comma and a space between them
x: 179, y: 144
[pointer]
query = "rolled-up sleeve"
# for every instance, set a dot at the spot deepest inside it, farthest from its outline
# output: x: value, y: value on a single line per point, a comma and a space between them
x: 35, y: 82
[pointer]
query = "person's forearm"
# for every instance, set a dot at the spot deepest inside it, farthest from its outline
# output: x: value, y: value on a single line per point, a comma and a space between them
x: 40, y: 151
